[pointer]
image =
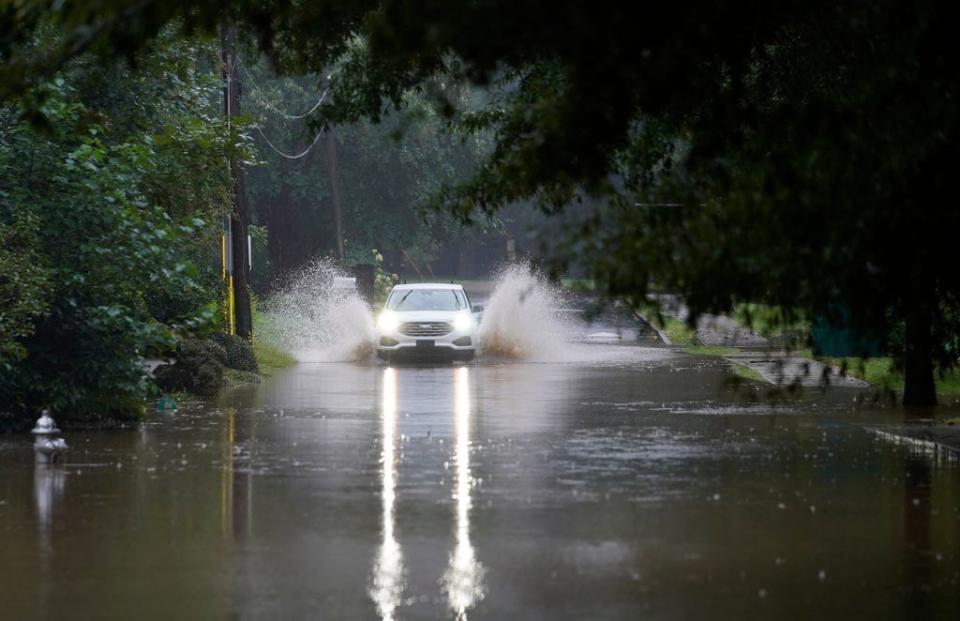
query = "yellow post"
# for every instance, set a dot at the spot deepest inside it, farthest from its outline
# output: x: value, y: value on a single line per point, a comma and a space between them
x: 231, y: 318
x: 231, y: 311
x: 226, y: 473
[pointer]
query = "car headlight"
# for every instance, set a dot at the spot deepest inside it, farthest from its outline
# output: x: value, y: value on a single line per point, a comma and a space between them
x: 462, y: 322
x: 388, y: 321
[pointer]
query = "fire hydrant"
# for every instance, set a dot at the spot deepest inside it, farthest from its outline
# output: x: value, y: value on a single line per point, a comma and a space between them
x: 47, y: 447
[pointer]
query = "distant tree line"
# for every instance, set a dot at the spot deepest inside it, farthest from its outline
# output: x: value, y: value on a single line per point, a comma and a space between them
x: 386, y: 174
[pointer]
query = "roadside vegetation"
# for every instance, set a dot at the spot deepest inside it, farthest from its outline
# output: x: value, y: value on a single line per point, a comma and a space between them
x: 113, y: 187
x: 786, y: 328
x: 720, y: 156
x: 792, y: 331
x: 110, y: 214
x: 682, y: 336
x: 791, y: 334
x: 883, y: 373
x: 271, y: 358
x: 110, y: 222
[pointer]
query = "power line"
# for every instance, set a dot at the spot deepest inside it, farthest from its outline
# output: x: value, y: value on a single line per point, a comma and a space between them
x: 266, y: 102
x: 287, y: 155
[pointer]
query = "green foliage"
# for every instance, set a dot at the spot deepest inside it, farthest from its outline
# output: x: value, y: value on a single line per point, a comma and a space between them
x: 679, y: 333
x: 111, y: 217
x: 683, y: 336
x: 270, y: 358
x: 789, y: 154
x: 886, y: 373
x: 24, y: 285
x: 387, y: 172
x: 239, y: 353
x: 262, y: 267
x: 234, y: 378
x: 746, y: 373
x: 382, y: 281
x: 709, y: 350
x: 782, y: 327
x: 198, y: 368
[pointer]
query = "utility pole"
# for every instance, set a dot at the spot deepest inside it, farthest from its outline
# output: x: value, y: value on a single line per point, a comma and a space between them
x: 335, y: 190
x: 239, y: 266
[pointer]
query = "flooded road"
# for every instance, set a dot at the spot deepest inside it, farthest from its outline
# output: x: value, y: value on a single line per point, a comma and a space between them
x: 633, y: 483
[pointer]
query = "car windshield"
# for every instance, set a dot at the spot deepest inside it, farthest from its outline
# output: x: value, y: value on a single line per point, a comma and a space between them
x: 427, y: 300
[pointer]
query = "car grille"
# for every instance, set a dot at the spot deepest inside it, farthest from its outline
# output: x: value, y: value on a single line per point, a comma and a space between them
x: 425, y: 328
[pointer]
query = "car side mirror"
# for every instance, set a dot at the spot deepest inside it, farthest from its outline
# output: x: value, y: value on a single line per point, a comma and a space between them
x: 477, y: 308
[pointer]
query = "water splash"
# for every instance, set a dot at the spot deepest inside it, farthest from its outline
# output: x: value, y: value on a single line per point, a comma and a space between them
x: 525, y: 318
x: 316, y: 322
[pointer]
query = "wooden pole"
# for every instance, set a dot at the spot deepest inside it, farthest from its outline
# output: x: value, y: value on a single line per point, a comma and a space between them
x: 243, y: 318
x: 335, y: 190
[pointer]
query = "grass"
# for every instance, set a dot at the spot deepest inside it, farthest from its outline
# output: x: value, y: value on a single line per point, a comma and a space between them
x: 233, y: 378
x: 877, y: 371
x: 882, y: 372
x: 679, y: 333
x: 270, y: 358
x: 683, y: 337
x: 771, y: 322
x: 747, y: 373
x: 709, y: 350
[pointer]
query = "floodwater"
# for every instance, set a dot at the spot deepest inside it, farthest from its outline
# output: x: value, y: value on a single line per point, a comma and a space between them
x: 574, y: 472
x: 632, y: 483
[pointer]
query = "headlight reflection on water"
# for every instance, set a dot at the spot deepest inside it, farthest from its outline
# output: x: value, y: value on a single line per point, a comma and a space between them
x: 463, y: 578
x: 387, y: 588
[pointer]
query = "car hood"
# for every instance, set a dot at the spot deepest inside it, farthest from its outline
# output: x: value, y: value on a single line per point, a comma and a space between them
x: 404, y: 316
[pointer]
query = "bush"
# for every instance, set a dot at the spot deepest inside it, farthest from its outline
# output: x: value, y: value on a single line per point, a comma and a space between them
x: 198, y: 369
x: 239, y: 352
x: 24, y: 283
x: 108, y: 222
x: 382, y: 281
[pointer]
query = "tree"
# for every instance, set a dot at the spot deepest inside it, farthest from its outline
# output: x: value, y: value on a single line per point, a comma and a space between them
x: 387, y: 173
x: 24, y: 284
x: 111, y: 214
x: 805, y: 145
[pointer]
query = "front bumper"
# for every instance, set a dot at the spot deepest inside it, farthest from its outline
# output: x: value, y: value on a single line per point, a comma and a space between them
x: 455, y: 345
x: 437, y: 354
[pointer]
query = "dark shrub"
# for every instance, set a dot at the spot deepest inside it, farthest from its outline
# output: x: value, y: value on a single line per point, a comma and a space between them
x: 198, y: 369
x: 239, y: 352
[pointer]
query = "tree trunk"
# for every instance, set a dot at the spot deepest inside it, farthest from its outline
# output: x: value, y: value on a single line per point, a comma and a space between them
x: 918, y: 535
x: 919, y: 389
x: 335, y: 190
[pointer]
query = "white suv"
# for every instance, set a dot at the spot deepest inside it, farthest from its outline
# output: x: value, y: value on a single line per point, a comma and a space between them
x: 428, y: 321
